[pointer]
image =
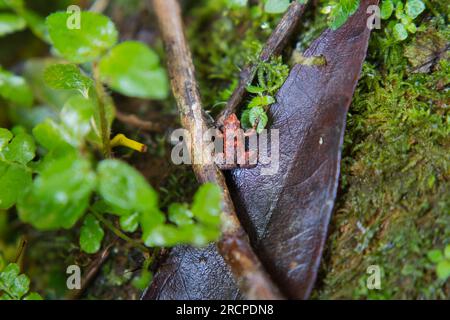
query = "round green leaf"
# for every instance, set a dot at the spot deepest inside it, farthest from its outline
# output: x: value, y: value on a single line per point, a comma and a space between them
x: 276, y: 6
x: 96, y: 34
x: 142, y: 281
x: 21, y: 149
x: 14, y: 89
x: 387, y: 8
x: 180, y: 214
x: 443, y: 269
x: 207, y: 204
x: 435, y: 256
x: 67, y: 76
x: 91, y: 235
x: 133, y: 69
x: 414, y: 7
x: 124, y: 187
x: 400, y: 32
x: 10, y: 23
x: 5, y: 137
x: 14, y: 179
x: 60, y: 195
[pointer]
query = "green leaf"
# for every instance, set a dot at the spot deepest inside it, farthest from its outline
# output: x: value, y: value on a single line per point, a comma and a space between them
x: 20, y: 287
x: 162, y: 235
x: 399, y: 10
x: 150, y: 222
x: 349, y: 6
x: 10, y: 23
x: 50, y: 204
x: 8, y: 275
x: 258, y: 118
x: 400, y: 32
x: 261, y: 101
x: 180, y: 214
x: 21, y: 149
x: 91, y: 235
x: 443, y: 269
x: 34, y: 74
x: 33, y: 296
x: 133, y: 69
x: 14, y: 179
x: 255, y: 89
x: 276, y: 6
x: 245, y: 119
x: 129, y: 223
x: 414, y: 7
x: 411, y: 27
x: 435, y: 256
x: 76, y: 117
x: 51, y: 135
x: 142, y: 281
x: 14, y: 89
x: 5, y: 137
x: 207, y: 204
x: 337, y: 17
x: 67, y: 76
x: 124, y: 187
x: 447, y: 252
x: 387, y: 8
x: 95, y: 36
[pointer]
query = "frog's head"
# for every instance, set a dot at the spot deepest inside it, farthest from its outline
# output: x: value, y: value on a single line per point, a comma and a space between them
x: 232, y: 122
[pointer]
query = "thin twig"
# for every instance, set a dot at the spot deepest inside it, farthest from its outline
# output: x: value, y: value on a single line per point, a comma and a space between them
x: 99, y: 6
x: 234, y: 245
x: 136, y: 122
x: 274, y: 46
x: 91, y: 272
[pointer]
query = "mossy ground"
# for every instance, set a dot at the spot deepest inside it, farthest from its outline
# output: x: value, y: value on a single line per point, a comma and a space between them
x: 394, y: 202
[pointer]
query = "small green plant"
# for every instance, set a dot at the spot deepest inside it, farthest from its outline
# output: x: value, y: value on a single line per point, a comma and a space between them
x: 16, y: 17
x: 278, y: 6
x: 339, y: 11
x: 15, y: 286
x: 442, y: 262
x: 61, y: 173
x: 270, y: 77
x: 404, y: 12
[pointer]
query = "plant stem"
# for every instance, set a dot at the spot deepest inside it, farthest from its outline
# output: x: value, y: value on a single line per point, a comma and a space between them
x: 102, y: 97
x: 119, y: 233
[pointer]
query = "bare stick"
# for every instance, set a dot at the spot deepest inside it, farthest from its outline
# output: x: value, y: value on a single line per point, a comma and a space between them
x: 234, y: 245
x: 274, y: 46
x: 136, y: 122
x: 91, y: 272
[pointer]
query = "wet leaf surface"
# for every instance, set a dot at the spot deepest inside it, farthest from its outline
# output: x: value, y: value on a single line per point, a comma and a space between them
x: 286, y: 214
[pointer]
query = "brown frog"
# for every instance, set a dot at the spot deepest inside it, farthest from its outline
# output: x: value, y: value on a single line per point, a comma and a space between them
x: 232, y: 128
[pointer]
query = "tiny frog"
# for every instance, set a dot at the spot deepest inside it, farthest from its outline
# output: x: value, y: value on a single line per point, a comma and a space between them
x: 232, y: 127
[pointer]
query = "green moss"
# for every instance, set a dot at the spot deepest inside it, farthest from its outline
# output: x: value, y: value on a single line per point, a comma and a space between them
x: 223, y: 41
x: 394, y: 205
